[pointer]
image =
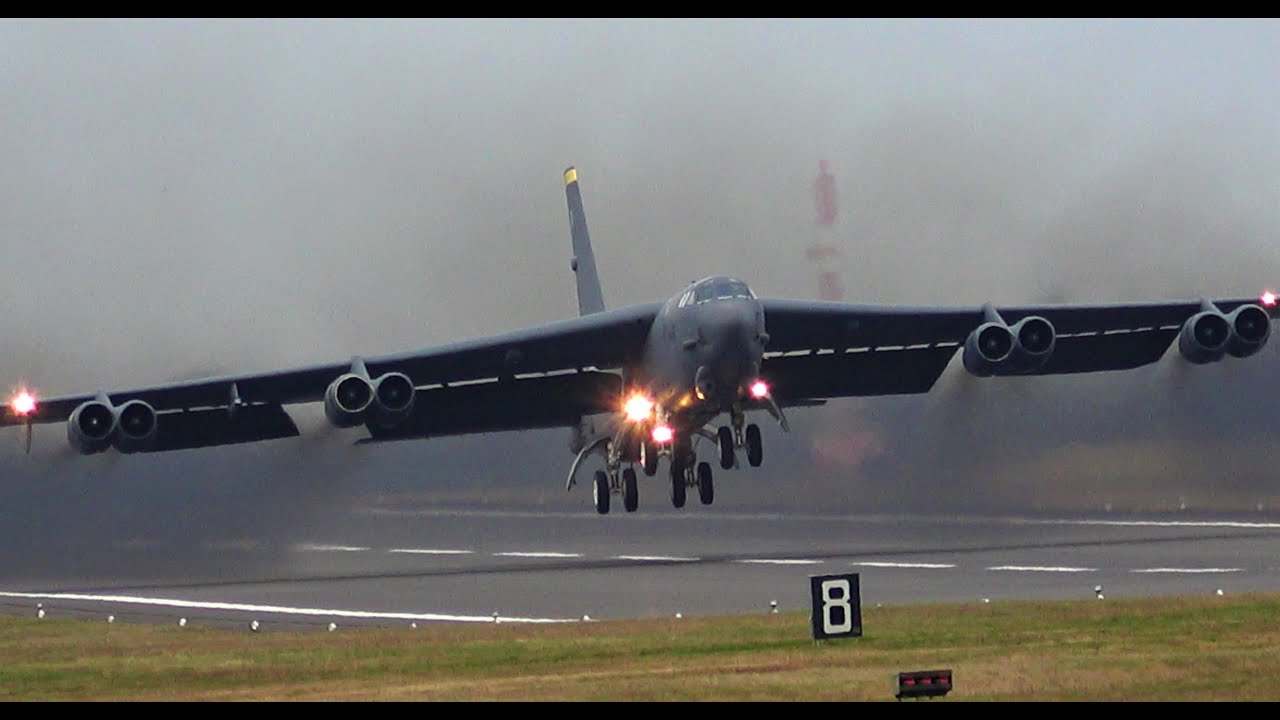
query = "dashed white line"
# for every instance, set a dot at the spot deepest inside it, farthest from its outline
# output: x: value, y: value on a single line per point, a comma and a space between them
x: 317, y: 547
x: 538, y: 554
x: 655, y: 558
x: 1039, y: 568
x: 1187, y: 570
x: 767, y: 561
x: 929, y: 566
x: 428, y: 551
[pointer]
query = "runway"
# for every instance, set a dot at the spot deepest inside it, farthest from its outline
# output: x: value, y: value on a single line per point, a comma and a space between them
x: 403, y: 565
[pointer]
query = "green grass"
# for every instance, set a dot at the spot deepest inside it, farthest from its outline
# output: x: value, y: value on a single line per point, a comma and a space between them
x: 1186, y: 648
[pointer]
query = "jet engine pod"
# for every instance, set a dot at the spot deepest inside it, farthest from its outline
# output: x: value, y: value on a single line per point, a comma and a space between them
x: 136, y: 425
x: 1204, y: 337
x: 90, y: 427
x: 347, y: 399
x: 393, y: 395
x: 1250, y: 330
x: 1033, y: 342
x: 987, y: 347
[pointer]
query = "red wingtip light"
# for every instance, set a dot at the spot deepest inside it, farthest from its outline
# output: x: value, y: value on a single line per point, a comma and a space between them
x: 24, y: 403
x: 759, y: 389
x: 662, y: 434
x: 1268, y: 299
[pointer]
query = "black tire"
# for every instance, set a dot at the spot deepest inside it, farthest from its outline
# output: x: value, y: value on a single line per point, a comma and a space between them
x: 706, y: 491
x: 601, y: 492
x: 755, y: 446
x: 630, y: 491
x: 677, y: 484
x: 724, y: 442
x: 649, y: 458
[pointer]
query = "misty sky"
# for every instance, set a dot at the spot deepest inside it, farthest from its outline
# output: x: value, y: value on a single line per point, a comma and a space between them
x: 192, y: 197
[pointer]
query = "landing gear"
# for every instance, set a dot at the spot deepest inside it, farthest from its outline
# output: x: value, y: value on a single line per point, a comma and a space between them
x: 706, y: 491
x: 724, y: 442
x: 755, y: 447
x: 679, y: 480
x: 649, y: 458
x: 601, y: 490
x: 630, y: 493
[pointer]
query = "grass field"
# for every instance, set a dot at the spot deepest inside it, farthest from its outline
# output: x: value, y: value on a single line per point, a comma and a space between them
x: 1186, y: 648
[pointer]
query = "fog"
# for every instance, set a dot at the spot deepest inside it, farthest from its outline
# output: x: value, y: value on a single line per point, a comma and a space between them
x: 190, y: 197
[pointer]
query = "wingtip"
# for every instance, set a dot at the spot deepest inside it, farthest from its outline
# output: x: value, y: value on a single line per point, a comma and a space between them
x: 570, y: 175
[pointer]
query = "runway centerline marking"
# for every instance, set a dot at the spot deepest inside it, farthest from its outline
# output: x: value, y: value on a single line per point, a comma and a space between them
x: 1040, y: 568
x: 428, y: 551
x: 909, y: 565
x: 1189, y: 571
x: 319, y: 547
x: 278, y: 609
x: 768, y: 561
x: 538, y: 554
x: 655, y: 558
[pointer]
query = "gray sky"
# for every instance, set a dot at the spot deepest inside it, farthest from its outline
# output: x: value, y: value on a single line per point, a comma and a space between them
x: 185, y: 197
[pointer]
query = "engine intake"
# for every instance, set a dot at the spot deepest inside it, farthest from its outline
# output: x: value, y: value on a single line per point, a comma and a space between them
x: 91, y: 426
x: 987, y: 347
x: 136, y: 426
x: 1250, y: 330
x: 1204, y: 337
x: 347, y: 399
x: 994, y: 348
x: 393, y: 395
x: 1034, y: 340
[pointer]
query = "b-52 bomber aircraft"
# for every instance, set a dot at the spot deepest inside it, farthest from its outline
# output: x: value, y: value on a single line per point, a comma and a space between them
x: 640, y: 384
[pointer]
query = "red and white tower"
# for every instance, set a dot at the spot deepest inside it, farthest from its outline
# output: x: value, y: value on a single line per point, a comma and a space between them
x: 823, y: 252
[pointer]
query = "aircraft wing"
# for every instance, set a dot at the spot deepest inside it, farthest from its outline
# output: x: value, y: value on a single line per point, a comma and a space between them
x: 543, y: 376
x: 819, y: 349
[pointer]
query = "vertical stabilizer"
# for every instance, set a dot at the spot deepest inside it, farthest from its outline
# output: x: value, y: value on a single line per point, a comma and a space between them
x: 590, y: 298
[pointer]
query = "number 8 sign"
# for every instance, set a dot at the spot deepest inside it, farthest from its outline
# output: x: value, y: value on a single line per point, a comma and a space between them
x: 837, y: 606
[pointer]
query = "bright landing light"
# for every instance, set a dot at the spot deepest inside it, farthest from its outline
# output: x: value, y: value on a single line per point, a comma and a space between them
x: 24, y: 403
x: 638, y: 408
x: 662, y: 434
x: 1268, y: 299
x: 759, y: 389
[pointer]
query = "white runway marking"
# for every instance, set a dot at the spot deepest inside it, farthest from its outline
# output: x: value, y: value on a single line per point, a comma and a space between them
x: 538, y: 554
x: 1038, y: 568
x: 428, y: 551
x: 766, y: 561
x: 1187, y: 570
x: 317, y: 547
x: 929, y: 566
x: 655, y: 558
x: 1160, y: 523
x: 278, y: 609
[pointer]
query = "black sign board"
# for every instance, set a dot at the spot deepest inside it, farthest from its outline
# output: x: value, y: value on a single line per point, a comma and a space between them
x: 837, y: 606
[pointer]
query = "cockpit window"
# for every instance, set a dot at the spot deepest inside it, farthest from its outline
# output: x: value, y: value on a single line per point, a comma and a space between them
x: 722, y: 290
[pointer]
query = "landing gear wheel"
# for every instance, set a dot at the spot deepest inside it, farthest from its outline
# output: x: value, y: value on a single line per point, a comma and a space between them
x: 755, y: 447
x: 601, y: 492
x: 677, y: 484
x: 706, y: 491
x: 649, y: 458
x: 724, y: 440
x: 630, y: 493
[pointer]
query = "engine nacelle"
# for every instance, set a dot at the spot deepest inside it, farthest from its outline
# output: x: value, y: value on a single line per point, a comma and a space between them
x: 347, y: 399
x: 1250, y: 330
x: 1204, y: 337
x: 987, y: 347
x: 1033, y: 341
x: 91, y: 427
x: 393, y: 395
x: 136, y: 426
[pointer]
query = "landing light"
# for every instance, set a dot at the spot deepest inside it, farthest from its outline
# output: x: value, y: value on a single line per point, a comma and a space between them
x: 759, y: 389
x: 24, y: 403
x: 662, y: 434
x: 638, y: 408
x: 1268, y: 299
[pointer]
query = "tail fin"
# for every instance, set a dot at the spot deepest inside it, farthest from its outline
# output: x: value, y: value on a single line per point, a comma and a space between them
x: 590, y: 298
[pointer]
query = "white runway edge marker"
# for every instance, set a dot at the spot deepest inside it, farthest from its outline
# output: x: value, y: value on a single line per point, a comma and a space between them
x: 278, y: 609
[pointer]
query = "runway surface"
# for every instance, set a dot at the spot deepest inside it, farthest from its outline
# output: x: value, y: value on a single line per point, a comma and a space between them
x: 405, y: 565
